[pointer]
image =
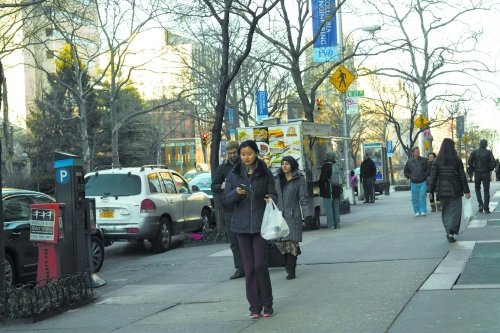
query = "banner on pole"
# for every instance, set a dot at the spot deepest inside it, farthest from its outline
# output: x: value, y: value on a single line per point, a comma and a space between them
x: 324, y: 21
x: 261, y: 102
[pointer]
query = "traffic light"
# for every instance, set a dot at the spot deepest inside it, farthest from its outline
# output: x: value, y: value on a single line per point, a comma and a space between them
x: 204, y: 138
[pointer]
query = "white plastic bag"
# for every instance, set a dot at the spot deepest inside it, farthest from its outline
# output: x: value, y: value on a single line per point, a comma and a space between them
x: 467, y: 210
x: 273, y: 224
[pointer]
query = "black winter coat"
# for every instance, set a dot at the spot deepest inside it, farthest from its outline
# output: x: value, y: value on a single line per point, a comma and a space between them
x: 324, y: 184
x: 368, y: 169
x: 482, y: 160
x: 448, y: 180
x: 417, y: 169
x: 248, y: 212
x: 219, y: 177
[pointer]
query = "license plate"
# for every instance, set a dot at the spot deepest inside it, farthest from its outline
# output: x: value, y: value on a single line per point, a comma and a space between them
x: 106, y: 213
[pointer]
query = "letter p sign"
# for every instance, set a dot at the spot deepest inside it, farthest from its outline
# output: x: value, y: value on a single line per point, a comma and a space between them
x: 62, y: 176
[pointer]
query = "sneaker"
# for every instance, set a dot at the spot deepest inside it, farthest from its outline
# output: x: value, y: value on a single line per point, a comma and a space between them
x: 480, y: 209
x: 255, y: 312
x: 254, y: 315
x: 422, y: 214
x: 417, y: 214
x: 268, y: 311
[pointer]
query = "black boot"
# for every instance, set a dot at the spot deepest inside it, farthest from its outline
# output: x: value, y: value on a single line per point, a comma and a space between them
x: 291, y: 263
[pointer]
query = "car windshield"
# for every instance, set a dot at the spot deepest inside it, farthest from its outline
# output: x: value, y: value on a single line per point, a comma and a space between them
x: 113, y: 185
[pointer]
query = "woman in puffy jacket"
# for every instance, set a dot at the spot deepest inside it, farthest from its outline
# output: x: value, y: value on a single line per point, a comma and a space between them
x: 448, y: 180
x: 294, y: 203
x: 248, y: 186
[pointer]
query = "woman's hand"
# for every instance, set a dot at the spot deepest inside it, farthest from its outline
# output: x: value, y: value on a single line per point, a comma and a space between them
x: 267, y: 198
x: 241, y: 191
x: 467, y: 195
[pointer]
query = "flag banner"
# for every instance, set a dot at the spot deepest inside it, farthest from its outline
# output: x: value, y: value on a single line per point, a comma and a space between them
x: 325, y: 47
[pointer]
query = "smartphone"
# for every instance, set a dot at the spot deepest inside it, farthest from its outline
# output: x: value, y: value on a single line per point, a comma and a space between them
x: 245, y: 187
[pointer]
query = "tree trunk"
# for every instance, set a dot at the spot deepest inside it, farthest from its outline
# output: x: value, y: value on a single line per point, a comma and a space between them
x: 8, y: 137
x: 2, y: 253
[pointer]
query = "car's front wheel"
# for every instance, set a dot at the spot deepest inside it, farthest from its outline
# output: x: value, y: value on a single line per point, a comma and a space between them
x: 10, y: 271
x: 163, y: 239
x: 97, y: 253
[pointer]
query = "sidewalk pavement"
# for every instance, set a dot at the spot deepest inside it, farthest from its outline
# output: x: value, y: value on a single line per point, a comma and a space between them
x: 383, y: 271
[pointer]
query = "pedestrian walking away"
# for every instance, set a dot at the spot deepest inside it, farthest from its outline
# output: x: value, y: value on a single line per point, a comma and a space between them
x: 497, y: 170
x: 482, y: 162
x: 434, y: 199
x: 248, y: 187
x: 330, y: 189
x: 368, y: 173
x: 448, y: 181
x: 417, y: 171
x: 218, y: 185
x: 293, y: 202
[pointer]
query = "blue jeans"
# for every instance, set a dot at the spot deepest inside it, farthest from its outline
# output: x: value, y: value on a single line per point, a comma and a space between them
x: 332, y: 210
x: 419, y: 197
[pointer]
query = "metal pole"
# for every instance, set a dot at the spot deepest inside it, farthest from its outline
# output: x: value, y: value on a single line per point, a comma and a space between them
x: 345, y: 133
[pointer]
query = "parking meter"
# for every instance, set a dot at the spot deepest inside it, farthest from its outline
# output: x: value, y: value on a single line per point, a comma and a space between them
x: 47, y: 232
x: 70, y: 189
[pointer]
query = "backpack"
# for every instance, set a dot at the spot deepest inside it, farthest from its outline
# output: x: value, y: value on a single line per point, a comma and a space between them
x: 336, y: 178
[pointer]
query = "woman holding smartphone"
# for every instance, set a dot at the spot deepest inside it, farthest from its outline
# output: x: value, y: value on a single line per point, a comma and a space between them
x: 248, y: 187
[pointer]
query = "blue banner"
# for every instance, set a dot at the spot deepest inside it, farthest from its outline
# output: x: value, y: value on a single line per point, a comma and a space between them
x: 325, y: 47
x: 261, y: 102
x: 230, y: 117
x: 389, y: 148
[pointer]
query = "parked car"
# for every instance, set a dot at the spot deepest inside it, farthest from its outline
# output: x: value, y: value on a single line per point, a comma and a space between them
x: 21, y: 255
x: 192, y: 173
x: 146, y: 203
x: 204, y: 183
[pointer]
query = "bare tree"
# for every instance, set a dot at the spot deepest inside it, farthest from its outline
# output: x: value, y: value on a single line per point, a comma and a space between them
x: 435, y: 48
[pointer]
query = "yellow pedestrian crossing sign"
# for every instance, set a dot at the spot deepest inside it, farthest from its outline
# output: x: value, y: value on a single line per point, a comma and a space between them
x: 341, y: 79
x: 421, y: 121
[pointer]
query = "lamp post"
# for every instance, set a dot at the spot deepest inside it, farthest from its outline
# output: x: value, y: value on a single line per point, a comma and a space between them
x: 345, y: 134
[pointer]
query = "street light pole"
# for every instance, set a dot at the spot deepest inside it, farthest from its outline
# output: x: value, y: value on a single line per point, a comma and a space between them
x: 345, y: 134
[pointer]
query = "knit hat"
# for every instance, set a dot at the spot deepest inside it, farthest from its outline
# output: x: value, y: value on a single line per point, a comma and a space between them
x: 292, y: 161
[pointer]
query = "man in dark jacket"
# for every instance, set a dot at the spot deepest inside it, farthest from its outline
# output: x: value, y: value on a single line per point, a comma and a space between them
x: 482, y: 162
x: 218, y: 185
x: 367, y: 173
x: 417, y: 171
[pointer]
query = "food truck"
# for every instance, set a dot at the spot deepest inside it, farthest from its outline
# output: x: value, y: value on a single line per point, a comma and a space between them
x: 307, y: 142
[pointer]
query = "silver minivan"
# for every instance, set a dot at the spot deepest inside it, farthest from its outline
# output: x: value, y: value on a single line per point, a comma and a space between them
x: 146, y: 203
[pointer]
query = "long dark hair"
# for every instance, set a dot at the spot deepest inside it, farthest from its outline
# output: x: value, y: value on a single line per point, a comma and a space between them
x: 447, y: 153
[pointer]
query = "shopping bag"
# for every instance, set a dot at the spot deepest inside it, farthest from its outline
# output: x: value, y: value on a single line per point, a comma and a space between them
x: 467, y: 210
x: 273, y: 224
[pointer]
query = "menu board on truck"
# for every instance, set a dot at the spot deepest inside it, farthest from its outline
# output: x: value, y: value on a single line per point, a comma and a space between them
x: 275, y: 142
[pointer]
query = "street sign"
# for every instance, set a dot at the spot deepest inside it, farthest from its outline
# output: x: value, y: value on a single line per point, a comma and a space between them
x: 341, y: 79
x: 261, y: 103
x: 355, y: 93
x: 421, y: 121
x: 351, y: 105
x: 389, y: 148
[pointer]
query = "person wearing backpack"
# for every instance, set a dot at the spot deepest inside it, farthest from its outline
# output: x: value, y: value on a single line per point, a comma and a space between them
x: 482, y: 162
x: 368, y: 172
x: 330, y: 188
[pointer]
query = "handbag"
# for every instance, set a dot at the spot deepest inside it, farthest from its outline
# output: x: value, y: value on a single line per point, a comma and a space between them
x: 467, y: 210
x: 273, y: 224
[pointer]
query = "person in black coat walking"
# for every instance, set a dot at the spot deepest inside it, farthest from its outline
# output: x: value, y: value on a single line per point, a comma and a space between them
x: 218, y: 185
x: 367, y: 173
x: 482, y: 162
x: 248, y: 187
x: 294, y: 203
x: 449, y: 180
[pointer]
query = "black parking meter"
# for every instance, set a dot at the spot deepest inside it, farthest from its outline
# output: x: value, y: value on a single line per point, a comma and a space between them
x: 70, y: 189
